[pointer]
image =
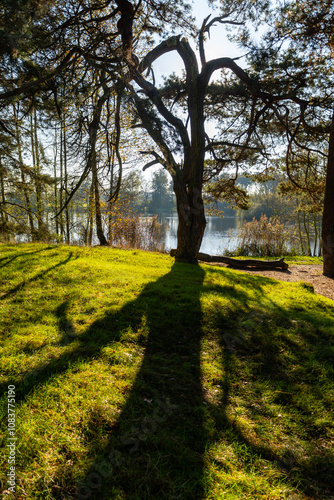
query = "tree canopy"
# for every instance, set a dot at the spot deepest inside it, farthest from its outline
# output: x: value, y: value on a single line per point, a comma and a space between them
x: 80, y: 56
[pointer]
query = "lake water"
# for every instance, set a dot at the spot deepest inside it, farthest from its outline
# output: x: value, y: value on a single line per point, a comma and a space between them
x: 220, y: 234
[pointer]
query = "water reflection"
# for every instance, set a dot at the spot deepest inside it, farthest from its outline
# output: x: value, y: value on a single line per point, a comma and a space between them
x: 220, y: 234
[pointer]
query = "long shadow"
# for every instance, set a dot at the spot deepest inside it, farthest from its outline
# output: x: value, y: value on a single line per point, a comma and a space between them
x: 156, y: 447
x: 155, y: 450
x: 36, y: 277
x: 10, y: 259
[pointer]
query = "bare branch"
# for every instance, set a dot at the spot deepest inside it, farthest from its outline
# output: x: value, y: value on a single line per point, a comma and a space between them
x: 231, y: 144
x: 158, y: 159
x: 252, y: 85
x: 201, y: 41
x: 6, y: 129
x: 221, y: 20
x: 154, y: 132
x: 117, y: 141
x: 161, y: 49
x: 150, y: 164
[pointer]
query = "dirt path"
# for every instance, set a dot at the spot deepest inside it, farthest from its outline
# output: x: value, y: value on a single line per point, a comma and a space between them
x: 309, y: 273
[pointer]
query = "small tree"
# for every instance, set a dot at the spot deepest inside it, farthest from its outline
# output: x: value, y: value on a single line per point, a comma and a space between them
x: 160, y: 201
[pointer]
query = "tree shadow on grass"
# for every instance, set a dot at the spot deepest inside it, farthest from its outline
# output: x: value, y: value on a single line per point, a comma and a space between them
x: 279, y: 382
x: 155, y: 450
x: 9, y: 259
x: 37, y: 276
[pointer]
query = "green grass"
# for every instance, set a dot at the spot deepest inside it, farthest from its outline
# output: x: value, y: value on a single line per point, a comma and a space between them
x: 140, y: 378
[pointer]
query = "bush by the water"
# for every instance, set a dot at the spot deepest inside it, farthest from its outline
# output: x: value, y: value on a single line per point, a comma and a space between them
x: 266, y: 237
x: 128, y: 230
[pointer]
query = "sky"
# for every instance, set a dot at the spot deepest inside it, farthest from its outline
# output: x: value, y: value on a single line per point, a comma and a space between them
x: 217, y: 46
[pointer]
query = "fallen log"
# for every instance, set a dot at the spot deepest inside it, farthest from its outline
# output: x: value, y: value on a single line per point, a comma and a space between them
x: 258, y: 264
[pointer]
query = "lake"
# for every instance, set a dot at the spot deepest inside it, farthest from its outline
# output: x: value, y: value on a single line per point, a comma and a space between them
x: 220, y: 234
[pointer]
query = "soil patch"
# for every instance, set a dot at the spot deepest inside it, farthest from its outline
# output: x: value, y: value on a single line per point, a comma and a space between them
x: 310, y: 273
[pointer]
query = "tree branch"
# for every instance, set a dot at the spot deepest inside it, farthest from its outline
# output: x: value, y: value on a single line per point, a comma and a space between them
x: 158, y: 51
x: 253, y: 86
x: 221, y: 20
x: 27, y: 86
x: 231, y: 144
x: 158, y: 159
x: 201, y: 41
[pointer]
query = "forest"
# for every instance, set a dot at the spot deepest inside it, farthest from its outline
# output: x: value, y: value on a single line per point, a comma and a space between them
x: 82, y: 113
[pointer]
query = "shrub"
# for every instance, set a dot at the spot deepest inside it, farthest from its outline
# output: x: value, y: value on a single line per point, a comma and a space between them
x: 266, y: 237
x: 129, y: 230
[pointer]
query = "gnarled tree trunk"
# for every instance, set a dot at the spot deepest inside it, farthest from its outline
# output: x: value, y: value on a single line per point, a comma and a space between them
x: 192, y: 222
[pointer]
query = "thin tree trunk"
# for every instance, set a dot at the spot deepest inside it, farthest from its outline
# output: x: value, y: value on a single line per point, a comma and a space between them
x: 320, y: 241
x: 23, y: 178
x: 111, y: 203
x: 315, y: 235
x: 93, y: 130
x: 67, y: 215
x: 306, y: 227
x: 55, y: 195
x: 300, y: 230
x: 37, y: 174
x: 61, y: 181
x: 91, y: 215
x: 98, y: 214
x: 4, y: 216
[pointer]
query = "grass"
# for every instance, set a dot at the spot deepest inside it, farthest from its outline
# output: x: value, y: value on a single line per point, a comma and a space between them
x: 140, y: 378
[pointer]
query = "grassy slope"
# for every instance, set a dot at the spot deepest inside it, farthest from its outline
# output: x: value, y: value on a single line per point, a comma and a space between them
x: 139, y: 378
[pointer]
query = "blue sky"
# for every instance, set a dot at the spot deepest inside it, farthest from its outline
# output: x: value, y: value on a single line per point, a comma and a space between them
x: 217, y: 46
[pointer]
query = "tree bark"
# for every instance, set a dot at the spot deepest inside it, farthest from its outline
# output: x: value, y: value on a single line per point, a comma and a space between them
x: 98, y: 215
x: 37, y: 175
x: 190, y: 209
x: 258, y: 264
x: 4, y: 216
x: 67, y: 215
x: 25, y: 188
x: 55, y: 192
x: 93, y: 128
x: 328, y: 212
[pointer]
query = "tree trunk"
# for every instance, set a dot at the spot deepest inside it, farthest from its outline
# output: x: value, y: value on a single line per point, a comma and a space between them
x: 190, y: 209
x: 90, y: 221
x: 328, y: 213
x: 55, y: 192
x: 37, y: 174
x: 188, y: 185
x: 93, y: 128
x: 98, y: 215
x: 25, y: 188
x: 67, y: 215
x: 241, y: 264
x: 4, y: 216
